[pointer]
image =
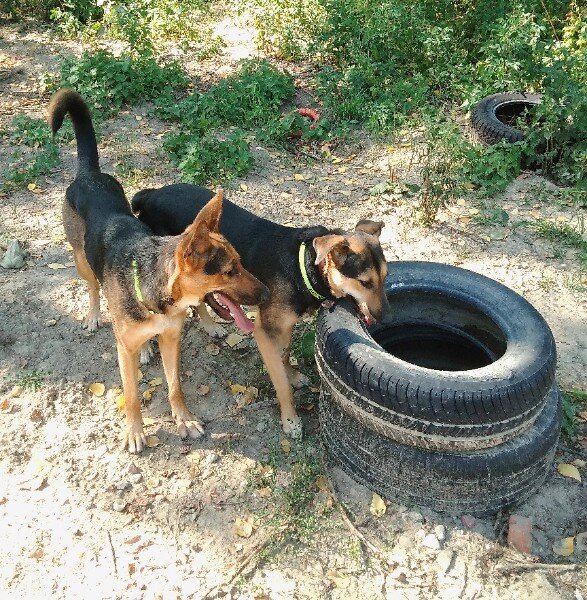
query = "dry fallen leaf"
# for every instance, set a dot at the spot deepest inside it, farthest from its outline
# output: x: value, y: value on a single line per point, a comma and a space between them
x: 265, y: 492
x: 299, y: 177
x: 342, y: 169
x: 285, y: 446
x: 244, y: 187
x: 234, y: 339
x: 570, y: 471
x: 56, y: 266
x: 339, y: 580
x: 120, y: 402
x: 237, y: 388
x: 6, y: 406
x: 97, y: 389
x: 148, y: 394
x: 31, y: 186
x: 564, y: 547
x: 156, y: 381
x: 139, y: 375
x: 322, y: 483
x: 377, y: 507
x: 213, y: 349
x: 243, y: 527
x: 153, y: 441
x: 203, y: 390
x: 193, y: 457
x: 582, y: 415
x: 153, y: 482
x: 37, y: 553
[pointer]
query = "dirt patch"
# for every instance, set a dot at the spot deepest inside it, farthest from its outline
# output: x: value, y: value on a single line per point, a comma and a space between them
x: 78, y: 513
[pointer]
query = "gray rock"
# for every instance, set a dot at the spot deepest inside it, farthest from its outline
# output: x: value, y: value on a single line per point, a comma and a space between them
x: 210, y: 459
x: 414, y: 516
x: 431, y: 541
x: 14, y: 256
x: 440, y: 532
x: 444, y: 560
x: 136, y: 477
x: 119, y: 505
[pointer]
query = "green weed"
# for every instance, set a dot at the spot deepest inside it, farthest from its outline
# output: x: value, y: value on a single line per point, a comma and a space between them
x: 25, y: 167
x: 572, y: 400
x: 30, y: 380
x: 209, y: 159
x: 563, y: 234
x: 109, y: 83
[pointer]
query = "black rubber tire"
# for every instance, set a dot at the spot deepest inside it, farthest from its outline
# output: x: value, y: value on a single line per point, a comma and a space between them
x: 485, y: 116
x: 477, y: 483
x: 439, y: 409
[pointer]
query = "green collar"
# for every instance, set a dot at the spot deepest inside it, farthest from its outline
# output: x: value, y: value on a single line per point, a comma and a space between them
x: 135, y: 279
x: 302, y: 261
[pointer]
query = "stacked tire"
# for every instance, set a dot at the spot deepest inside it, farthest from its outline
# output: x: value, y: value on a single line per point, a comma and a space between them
x: 451, y: 403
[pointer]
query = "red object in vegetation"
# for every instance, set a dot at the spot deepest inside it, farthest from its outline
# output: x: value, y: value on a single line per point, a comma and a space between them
x: 312, y: 114
x: 520, y: 533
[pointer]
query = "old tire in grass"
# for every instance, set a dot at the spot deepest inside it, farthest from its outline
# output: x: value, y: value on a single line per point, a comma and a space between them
x: 494, y: 117
x: 478, y: 483
x: 462, y: 363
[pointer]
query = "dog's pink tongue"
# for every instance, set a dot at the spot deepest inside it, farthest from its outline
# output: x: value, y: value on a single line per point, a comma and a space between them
x: 236, y: 312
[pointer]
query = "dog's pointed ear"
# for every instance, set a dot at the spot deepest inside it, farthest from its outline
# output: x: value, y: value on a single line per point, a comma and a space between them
x: 325, y: 244
x: 370, y: 227
x: 196, y: 237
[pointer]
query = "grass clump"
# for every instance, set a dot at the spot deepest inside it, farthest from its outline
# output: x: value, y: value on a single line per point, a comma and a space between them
x: 212, y: 145
x: 572, y: 401
x: 564, y: 235
x: 109, y: 83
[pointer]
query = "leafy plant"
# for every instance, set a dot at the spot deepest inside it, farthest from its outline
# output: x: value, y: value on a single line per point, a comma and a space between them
x: 25, y: 167
x: 209, y: 159
x: 109, y: 82
x: 30, y: 380
x: 564, y: 234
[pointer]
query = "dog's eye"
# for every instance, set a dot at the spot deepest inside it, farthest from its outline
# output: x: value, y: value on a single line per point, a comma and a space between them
x: 366, y: 284
x: 233, y: 272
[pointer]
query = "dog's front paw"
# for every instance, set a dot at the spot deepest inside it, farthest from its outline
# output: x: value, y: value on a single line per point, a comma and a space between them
x: 213, y: 329
x: 298, y: 380
x: 189, y: 426
x: 147, y: 353
x: 92, y: 322
x: 293, y: 427
x: 134, y: 438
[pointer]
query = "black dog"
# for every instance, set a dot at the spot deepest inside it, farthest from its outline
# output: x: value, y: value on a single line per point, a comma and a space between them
x: 300, y: 266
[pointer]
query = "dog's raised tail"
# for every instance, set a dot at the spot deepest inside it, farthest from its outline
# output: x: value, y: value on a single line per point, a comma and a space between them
x: 67, y: 101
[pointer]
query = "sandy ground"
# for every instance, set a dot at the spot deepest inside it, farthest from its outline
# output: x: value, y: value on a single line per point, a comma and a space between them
x: 80, y: 517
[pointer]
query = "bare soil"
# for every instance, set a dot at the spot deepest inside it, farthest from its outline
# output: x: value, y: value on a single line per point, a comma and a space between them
x: 80, y: 517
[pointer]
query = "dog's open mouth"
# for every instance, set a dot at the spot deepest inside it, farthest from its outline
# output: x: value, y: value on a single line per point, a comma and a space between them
x: 229, y: 310
x: 364, y: 312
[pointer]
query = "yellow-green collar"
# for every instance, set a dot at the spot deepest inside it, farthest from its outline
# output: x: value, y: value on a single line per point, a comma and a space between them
x: 302, y: 261
x: 135, y: 279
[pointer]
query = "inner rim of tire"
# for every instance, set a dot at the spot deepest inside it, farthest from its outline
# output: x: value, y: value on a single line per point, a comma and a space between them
x: 509, y: 112
x: 438, y: 332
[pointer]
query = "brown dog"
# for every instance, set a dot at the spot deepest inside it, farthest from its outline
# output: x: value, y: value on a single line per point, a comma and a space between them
x: 302, y: 267
x: 149, y: 281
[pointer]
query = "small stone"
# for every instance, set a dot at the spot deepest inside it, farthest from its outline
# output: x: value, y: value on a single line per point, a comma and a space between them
x: 211, y: 459
x: 132, y: 469
x: 468, y: 521
x: 415, y: 516
x: 121, y: 485
x: 581, y: 543
x: 136, y: 477
x: 50, y: 322
x: 440, y: 532
x: 431, y: 541
x: 119, y: 505
x: 14, y: 256
x: 444, y: 560
x: 520, y: 533
x: 261, y: 426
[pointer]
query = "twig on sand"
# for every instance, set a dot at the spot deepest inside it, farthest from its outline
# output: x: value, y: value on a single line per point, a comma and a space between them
x: 249, y: 559
x: 113, y: 553
x: 353, y: 529
x: 528, y: 566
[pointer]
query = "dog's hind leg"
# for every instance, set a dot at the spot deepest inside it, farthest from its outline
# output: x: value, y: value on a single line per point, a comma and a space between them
x: 75, y: 230
x: 92, y: 320
x: 170, y: 348
x: 273, y: 329
x: 208, y: 324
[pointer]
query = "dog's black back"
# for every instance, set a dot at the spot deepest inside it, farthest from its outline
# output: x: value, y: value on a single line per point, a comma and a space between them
x: 268, y: 250
x: 111, y: 230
